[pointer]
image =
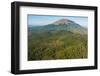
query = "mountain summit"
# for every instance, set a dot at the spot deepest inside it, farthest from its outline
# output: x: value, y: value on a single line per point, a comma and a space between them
x: 60, y: 25
x: 63, y: 22
x: 66, y: 25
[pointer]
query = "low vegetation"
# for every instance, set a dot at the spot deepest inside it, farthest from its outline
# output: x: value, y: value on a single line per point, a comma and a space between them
x: 46, y: 44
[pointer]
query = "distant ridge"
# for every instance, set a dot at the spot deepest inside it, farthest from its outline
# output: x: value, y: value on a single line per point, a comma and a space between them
x: 61, y: 25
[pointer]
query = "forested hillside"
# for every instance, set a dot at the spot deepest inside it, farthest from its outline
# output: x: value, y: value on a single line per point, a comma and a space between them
x: 63, y: 39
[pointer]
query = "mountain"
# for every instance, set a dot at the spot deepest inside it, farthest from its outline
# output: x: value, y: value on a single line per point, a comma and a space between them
x: 62, y: 25
x: 62, y: 39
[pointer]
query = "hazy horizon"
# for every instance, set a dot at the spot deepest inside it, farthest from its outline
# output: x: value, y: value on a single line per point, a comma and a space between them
x: 40, y: 20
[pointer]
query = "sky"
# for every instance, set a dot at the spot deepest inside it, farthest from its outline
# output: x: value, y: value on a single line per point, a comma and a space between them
x: 40, y: 20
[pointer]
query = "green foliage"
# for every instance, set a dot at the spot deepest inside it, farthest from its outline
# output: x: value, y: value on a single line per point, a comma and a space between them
x: 56, y: 44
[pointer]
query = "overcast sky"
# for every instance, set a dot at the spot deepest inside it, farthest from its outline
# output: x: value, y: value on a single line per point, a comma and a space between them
x: 40, y: 20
